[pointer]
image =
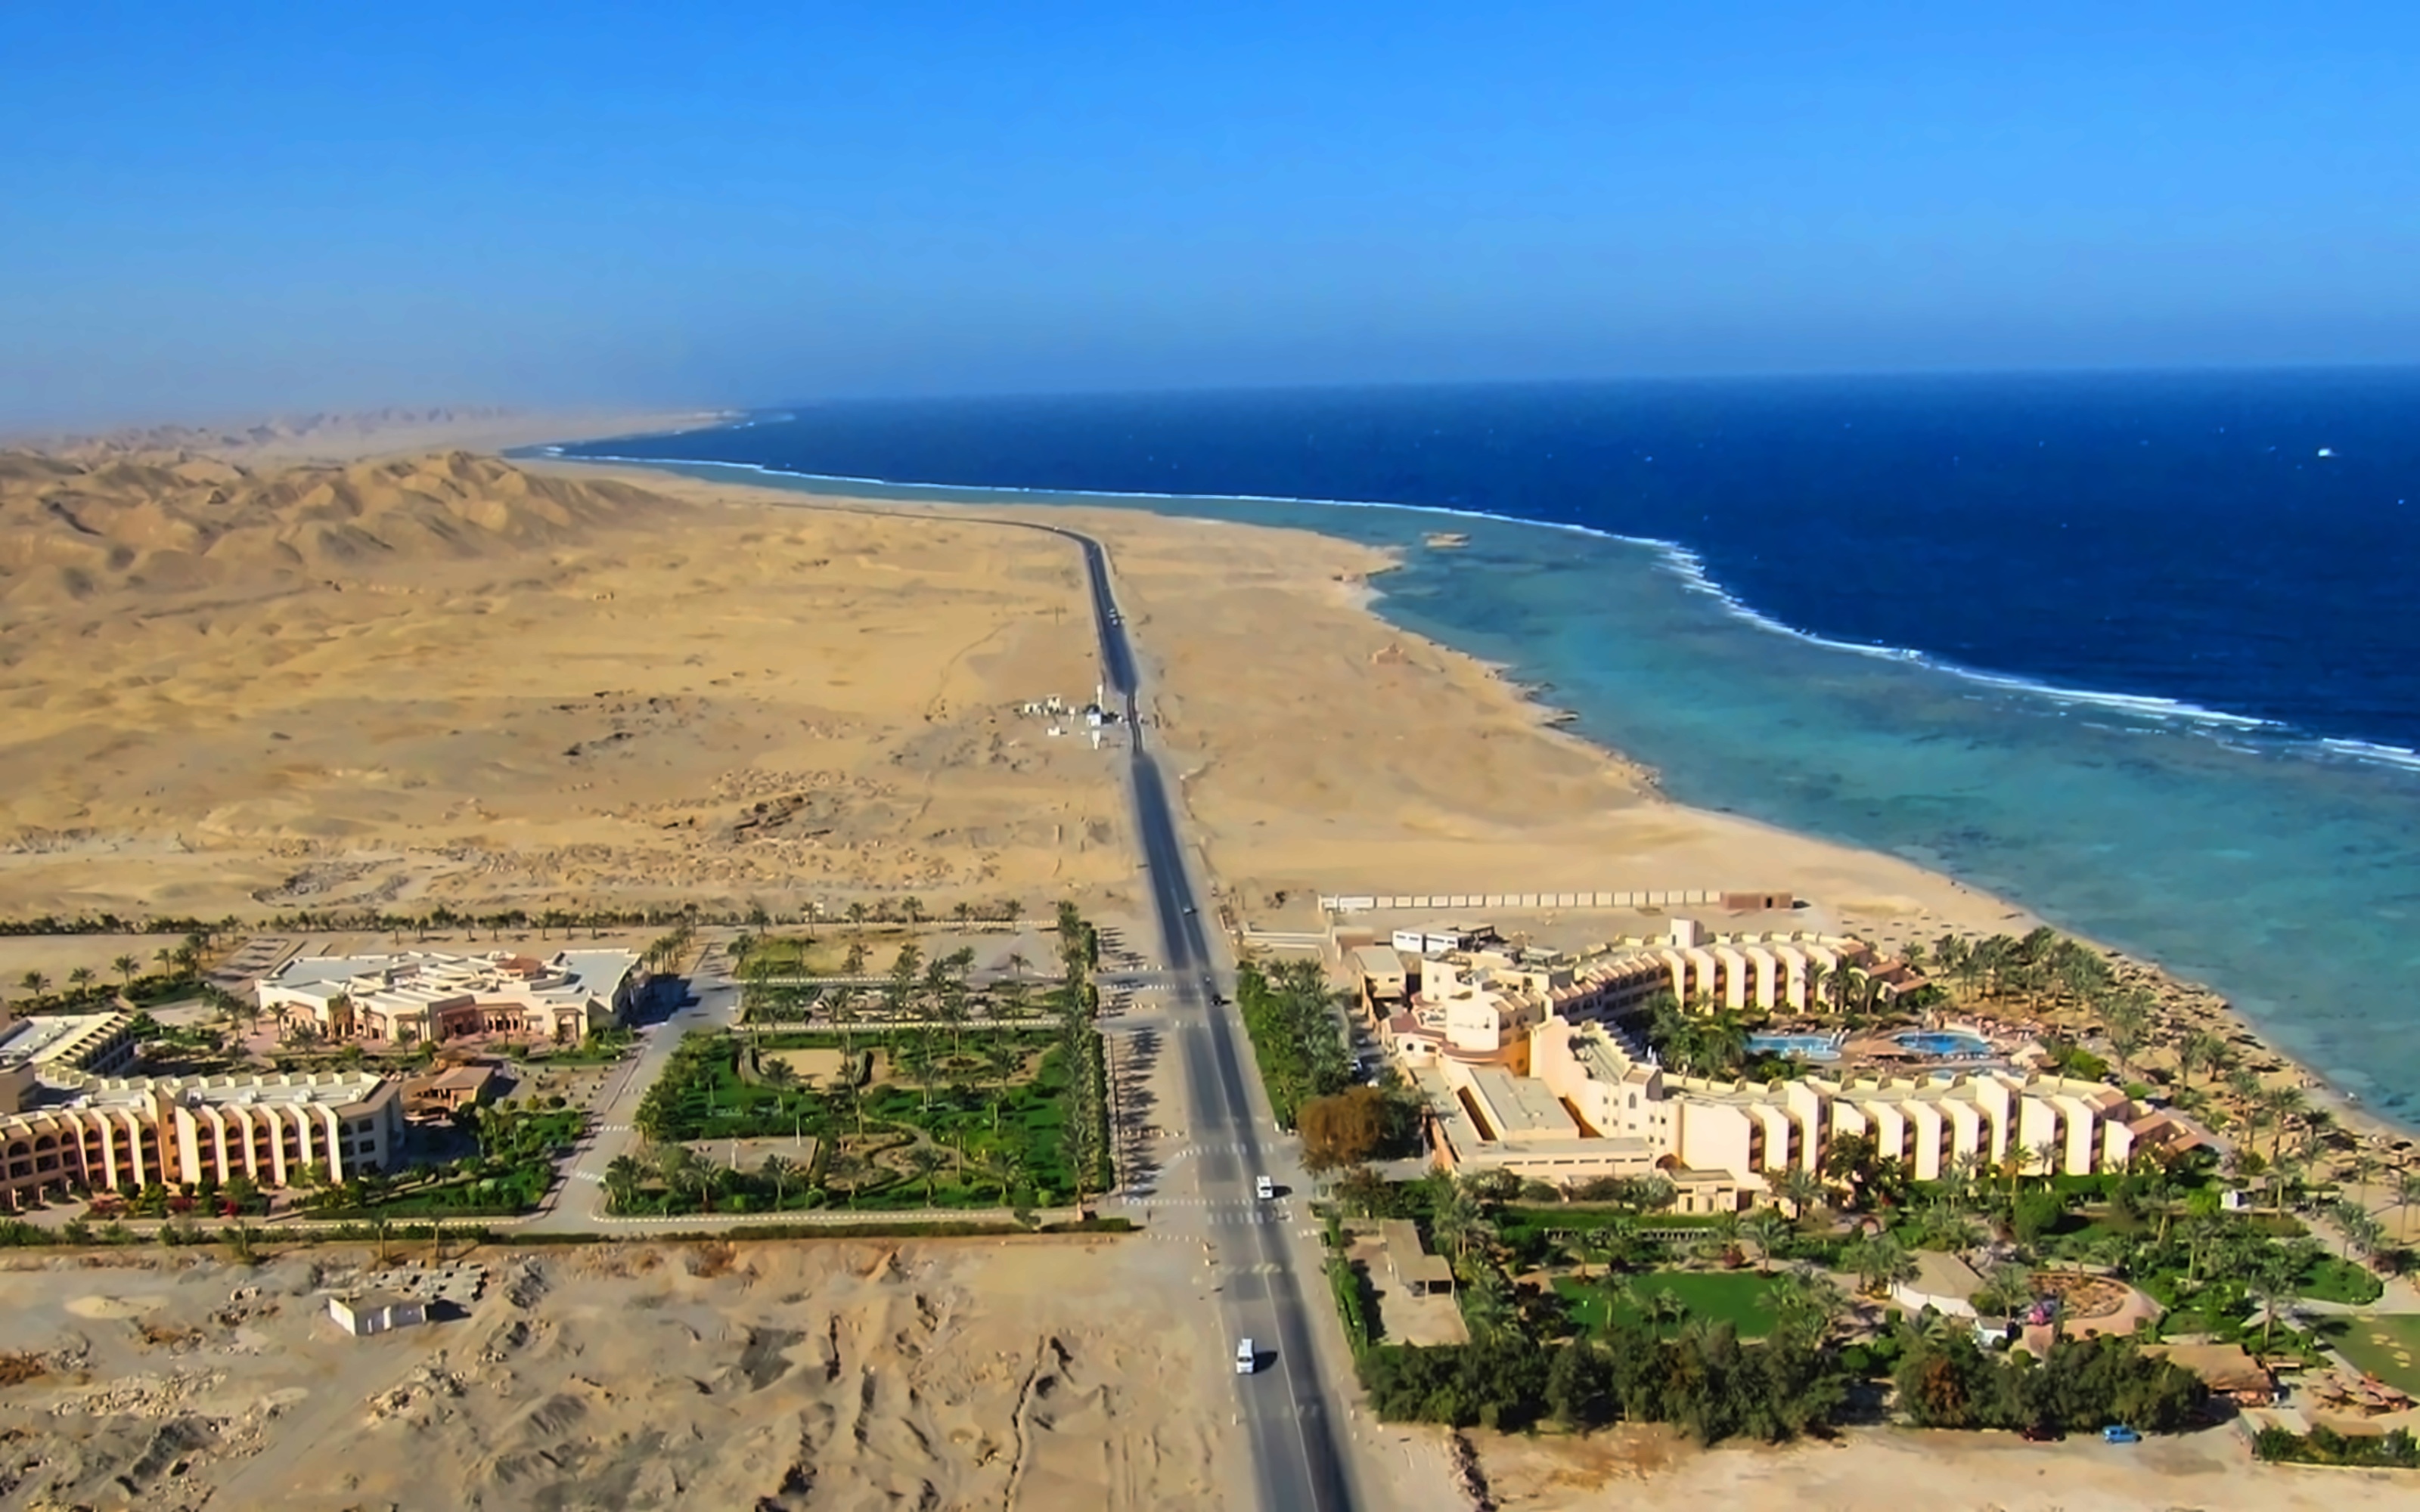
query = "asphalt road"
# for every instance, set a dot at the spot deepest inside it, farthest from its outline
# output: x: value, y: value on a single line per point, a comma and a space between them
x: 1284, y: 1403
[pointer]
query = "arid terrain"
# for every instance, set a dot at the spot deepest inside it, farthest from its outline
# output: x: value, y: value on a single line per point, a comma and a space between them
x: 837, y: 1375
x: 446, y: 680
x: 1866, y: 1471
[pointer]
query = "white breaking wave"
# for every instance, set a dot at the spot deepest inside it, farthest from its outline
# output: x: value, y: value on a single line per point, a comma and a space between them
x: 2363, y: 750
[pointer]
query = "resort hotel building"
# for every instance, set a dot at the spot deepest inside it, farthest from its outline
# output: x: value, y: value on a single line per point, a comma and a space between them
x: 1523, y: 1066
x: 421, y: 995
x: 55, y: 1043
x: 66, y: 1130
x: 1459, y: 994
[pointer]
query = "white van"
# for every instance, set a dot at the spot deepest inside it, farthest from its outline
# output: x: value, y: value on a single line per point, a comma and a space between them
x: 1247, y: 1358
x: 1263, y: 1188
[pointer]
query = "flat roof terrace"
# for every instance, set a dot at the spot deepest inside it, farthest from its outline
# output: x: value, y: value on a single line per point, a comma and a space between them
x: 53, y: 1036
x: 1518, y: 1109
x: 321, y: 1088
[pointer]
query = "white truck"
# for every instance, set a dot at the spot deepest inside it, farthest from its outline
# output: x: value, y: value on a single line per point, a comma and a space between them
x: 1247, y: 1358
x: 1264, y: 1189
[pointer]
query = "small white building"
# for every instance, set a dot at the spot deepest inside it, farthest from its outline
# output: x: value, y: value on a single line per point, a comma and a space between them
x: 363, y: 1313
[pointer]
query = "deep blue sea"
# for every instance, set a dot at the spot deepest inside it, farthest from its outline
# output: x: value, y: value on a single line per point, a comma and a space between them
x: 2140, y: 652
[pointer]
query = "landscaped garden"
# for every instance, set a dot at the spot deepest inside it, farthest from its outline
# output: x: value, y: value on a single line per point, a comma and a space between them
x: 1791, y: 1315
x: 882, y: 976
x: 519, y: 1146
x: 942, y: 1115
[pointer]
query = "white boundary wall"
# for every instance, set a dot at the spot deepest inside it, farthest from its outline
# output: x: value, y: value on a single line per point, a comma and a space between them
x: 1530, y: 901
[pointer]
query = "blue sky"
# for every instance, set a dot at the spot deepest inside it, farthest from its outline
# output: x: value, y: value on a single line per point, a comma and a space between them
x: 212, y: 211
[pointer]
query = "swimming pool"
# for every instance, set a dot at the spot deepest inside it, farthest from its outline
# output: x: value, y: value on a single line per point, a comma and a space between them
x: 1800, y: 1046
x: 1943, y: 1043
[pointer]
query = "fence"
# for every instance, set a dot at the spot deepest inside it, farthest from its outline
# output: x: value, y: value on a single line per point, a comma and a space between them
x: 1368, y: 901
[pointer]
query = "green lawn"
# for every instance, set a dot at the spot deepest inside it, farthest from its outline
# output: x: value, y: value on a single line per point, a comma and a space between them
x: 1736, y: 1297
x: 2332, y: 1279
x: 2387, y: 1345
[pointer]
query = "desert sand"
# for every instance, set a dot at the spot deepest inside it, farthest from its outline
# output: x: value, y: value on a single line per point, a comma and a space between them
x: 339, y: 438
x: 833, y: 1375
x: 444, y: 679
x: 1869, y: 1468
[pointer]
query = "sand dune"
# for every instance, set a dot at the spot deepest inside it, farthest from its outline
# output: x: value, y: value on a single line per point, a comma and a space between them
x: 448, y: 678
x: 71, y: 531
x: 340, y: 438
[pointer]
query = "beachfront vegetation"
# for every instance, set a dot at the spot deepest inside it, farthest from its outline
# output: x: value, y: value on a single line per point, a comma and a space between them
x: 1754, y: 1324
x: 2323, y: 1445
x: 1945, y: 1379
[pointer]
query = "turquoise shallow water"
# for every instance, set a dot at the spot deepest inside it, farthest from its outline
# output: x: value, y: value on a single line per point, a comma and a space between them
x: 2287, y: 880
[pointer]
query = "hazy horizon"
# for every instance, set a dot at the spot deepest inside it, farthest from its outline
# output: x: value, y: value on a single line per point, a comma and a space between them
x: 286, y: 210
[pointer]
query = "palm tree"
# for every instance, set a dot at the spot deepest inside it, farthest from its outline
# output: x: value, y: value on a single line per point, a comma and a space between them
x: 1766, y: 1228
x: 2284, y: 1104
x: 928, y: 1163
x: 1879, y: 1262
x: 1454, y: 1221
x: 1487, y: 1304
x: 911, y: 908
x: 125, y: 966
x: 35, y: 983
x: 777, y: 1172
x: 1804, y: 1302
x: 622, y: 1177
x: 2005, y: 1291
x: 1620, y: 1293
x: 848, y: 1102
x: 2407, y: 1197
x: 1666, y: 1307
x: 1802, y: 1189
x: 79, y: 980
x: 2274, y: 1282
x: 2126, y: 1036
